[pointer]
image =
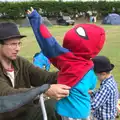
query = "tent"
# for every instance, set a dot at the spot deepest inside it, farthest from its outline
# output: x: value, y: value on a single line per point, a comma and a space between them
x: 25, y: 22
x: 112, y: 19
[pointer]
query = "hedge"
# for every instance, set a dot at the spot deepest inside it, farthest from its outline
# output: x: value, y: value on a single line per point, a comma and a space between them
x: 16, y: 10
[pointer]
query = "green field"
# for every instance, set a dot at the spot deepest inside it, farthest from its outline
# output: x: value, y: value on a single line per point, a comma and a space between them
x: 111, y: 47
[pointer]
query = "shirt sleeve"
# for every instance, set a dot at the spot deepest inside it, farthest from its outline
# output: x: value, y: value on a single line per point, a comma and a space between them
x: 35, y: 75
x: 6, y: 89
x: 46, y: 41
x: 100, y: 97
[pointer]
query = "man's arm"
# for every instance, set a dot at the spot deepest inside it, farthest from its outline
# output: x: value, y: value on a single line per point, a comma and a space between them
x: 56, y: 91
x: 39, y: 76
x: 35, y: 75
x: 6, y: 89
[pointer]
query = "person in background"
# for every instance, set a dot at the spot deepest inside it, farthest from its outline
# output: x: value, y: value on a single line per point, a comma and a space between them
x: 40, y: 60
x: 104, y: 100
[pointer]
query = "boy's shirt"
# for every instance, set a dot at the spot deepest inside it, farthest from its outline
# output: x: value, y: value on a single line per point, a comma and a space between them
x: 104, y: 100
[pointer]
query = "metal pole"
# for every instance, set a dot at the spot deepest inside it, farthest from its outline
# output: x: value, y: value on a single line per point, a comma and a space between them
x: 41, y: 101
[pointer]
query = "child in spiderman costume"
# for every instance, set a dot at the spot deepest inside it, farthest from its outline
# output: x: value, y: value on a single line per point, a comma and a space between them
x: 81, y: 43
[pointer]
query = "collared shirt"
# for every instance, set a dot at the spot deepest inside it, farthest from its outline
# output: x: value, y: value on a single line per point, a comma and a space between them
x: 104, y: 100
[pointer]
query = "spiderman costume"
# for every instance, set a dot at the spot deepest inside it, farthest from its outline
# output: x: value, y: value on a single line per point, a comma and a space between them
x: 81, y: 43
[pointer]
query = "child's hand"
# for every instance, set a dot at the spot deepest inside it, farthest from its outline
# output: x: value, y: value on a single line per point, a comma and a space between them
x: 30, y: 11
x: 90, y: 91
x: 33, y: 14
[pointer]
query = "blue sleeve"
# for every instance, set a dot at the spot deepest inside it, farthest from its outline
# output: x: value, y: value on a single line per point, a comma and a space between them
x: 46, y: 41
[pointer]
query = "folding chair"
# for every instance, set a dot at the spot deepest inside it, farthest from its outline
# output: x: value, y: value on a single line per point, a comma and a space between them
x: 41, y: 101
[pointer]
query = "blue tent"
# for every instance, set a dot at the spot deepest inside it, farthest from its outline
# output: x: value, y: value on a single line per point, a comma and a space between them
x: 112, y: 19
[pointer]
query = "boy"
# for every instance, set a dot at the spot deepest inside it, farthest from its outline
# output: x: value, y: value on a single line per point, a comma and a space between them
x: 81, y: 43
x: 104, y: 100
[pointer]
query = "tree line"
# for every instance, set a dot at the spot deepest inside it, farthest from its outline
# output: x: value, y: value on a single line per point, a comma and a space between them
x: 16, y: 10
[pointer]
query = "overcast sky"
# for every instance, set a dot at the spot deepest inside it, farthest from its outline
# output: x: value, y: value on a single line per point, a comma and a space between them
x: 57, y: 0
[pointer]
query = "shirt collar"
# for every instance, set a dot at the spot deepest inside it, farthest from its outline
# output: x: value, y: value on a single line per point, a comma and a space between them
x: 15, y: 66
x: 105, y: 80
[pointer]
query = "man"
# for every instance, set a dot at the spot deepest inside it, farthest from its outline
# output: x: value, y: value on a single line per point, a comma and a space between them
x: 104, y: 100
x: 17, y: 75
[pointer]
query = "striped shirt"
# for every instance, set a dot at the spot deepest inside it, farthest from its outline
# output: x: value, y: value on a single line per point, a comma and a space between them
x: 104, y: 100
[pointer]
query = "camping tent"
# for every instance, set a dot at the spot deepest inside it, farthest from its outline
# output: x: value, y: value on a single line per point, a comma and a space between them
x: 113, y: 19
x: 25, y: 22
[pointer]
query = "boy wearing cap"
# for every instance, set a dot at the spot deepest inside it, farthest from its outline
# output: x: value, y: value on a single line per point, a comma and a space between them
x: 104, y: 100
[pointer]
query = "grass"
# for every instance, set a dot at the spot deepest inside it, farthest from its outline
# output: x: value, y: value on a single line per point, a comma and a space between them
x: 111, y: 47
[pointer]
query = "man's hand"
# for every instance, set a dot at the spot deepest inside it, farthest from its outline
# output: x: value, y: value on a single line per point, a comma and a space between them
x: 58, y: 91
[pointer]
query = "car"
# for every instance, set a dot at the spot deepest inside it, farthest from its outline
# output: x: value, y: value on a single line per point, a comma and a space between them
x: 65, y: 20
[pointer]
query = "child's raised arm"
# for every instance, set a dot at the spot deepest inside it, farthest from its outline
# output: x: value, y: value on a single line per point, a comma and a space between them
x: 59, y: 56
x: 46, y: 41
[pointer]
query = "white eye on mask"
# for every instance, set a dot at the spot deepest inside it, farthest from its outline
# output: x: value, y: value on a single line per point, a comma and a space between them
x: 81, y: 32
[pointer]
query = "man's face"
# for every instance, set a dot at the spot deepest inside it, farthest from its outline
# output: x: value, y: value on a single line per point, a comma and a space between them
x: 10, y: 48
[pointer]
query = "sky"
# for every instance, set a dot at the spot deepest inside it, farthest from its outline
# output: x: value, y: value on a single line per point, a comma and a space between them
x: 56, y: 0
